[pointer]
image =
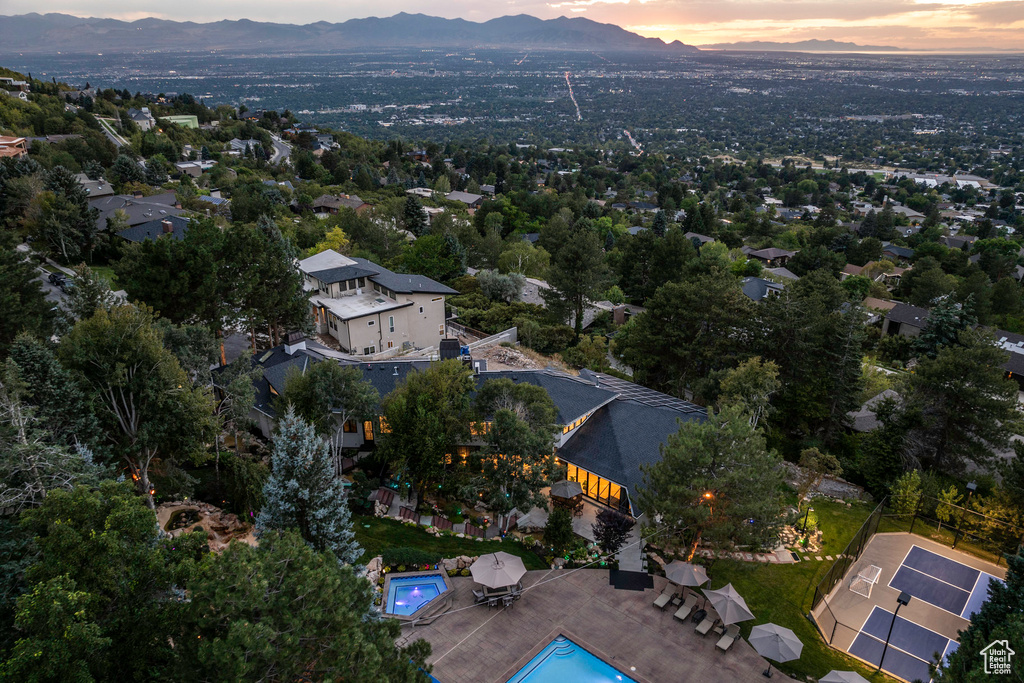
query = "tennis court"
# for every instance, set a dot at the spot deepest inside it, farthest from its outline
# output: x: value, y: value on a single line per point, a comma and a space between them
x: 940, y: 581
x: 945, y: 587
x: 911, y: 646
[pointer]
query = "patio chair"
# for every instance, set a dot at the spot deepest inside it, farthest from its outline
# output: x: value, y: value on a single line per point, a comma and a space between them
x: 688, y: 605
x: 732, y: 633
x: 507, y: 601
x: 704, y: 627
x: 666, y: 596
x: 492, y: 602
x: 478, y: 597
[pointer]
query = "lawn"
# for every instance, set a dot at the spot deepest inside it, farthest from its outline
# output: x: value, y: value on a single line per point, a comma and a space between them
x: 107, y: 273
x: 376, y: 533
x: 782, y: 593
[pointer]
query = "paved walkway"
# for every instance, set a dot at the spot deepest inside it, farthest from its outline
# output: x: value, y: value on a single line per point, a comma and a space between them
x: 477, y: 645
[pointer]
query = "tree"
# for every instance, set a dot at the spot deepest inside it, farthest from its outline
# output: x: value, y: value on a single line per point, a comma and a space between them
x: 332, y: 398
x: 815, y: 467
x: 524, y: 258
x: 498, y: 287
x: 284, y: 612
x: 906, y: 493
x: 611, y: 530
x: 949, y: 499
x: 335, y: 239
x: 440, y: 257
x: 959, y: 405
x: 1001, y: 617
x: 126, y: 170
x: 415, y: 218
x: 148, y: 408
x: 103, y: 587
x: 91, y: 291
x: 22, y: 299
x: 558, y: 533
x: 689, y: 330
x: 660, y: 224
x: 717, y: 484
x: 577, y: 276
x: 425, y: 418
x: 518, y: 458
x: 751, y: 385
x: 303, y: 494
x: 942, y: 328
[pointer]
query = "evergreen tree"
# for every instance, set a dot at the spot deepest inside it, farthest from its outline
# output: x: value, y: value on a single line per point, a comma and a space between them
x: 303, y: 493
x: 414, y: 217
x: 22, y: 299
x: 660, y: 224
x: 578, y: 275
x: 945, y: 322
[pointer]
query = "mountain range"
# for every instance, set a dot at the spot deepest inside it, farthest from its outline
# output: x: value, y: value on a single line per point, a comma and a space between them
x: 801, y: 46
x: 41, y: 33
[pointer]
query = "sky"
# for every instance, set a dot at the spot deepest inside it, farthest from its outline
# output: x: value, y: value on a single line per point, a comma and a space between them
x: 912, y: 24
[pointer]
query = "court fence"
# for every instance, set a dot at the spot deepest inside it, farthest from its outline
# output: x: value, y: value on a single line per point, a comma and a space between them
x: 957, y: 526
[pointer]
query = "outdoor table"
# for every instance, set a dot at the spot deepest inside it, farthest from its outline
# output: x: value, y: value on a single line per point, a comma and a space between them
x: 699, y: 615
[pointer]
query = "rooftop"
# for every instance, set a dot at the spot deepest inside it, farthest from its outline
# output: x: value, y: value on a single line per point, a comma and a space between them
x: 358, y: 305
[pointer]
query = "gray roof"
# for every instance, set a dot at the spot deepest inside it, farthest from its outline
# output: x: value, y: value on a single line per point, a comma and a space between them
x: 464, y: 197
x: 905, y: 314
x: 153, y: 229
x: 136, y: 209
x: 622, y: 437
x: 757, y: 288
x: 404, y: 283
x: 342, y: 273
x: 572, y: 396
x: 902, y: 252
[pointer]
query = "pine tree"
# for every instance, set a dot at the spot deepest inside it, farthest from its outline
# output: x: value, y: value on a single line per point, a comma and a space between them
x: 303, y: 494
x: 415, y: 217
x: 660, y: 224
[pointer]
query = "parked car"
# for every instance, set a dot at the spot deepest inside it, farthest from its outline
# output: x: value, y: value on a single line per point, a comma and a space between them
x: 56, y: 278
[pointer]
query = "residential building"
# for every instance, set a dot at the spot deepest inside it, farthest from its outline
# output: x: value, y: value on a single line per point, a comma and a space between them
x: 142, y: 118
x: 471, y: 200
x: 757, y: 288
x: 94, y: 188
x: 326, y: 204
x: 371, y: 310
x: 174, y: 227
x: 12, y: 148
x: 905, y: 319
x: 895, y: 252
x: 136, y: 209
x: 698, y: 239
x: 609, y: 428
x: 772, y: 257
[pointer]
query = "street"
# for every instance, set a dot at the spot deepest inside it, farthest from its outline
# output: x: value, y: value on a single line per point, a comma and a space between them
x: 281, y: 150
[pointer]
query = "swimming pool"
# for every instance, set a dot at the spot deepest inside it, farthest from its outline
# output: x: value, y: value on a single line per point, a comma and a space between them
x: 408, y: 594
x: 563, y: 661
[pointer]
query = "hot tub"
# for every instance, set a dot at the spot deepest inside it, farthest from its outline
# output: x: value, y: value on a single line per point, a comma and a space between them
x: 409, y: 595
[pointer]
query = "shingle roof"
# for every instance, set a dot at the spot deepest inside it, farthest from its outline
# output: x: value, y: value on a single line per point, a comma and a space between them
x: 621, y: 437
x: 342, y: 273
x: 572, y: 396
x: 404, y: 282
x: 905, y: 314
x: 757, y: 288
x: 155, y: 228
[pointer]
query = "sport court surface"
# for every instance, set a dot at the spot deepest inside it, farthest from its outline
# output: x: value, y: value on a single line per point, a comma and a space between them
x: 945, y: 586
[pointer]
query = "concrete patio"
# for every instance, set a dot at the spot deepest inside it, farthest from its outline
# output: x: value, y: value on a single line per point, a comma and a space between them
x: 474, y: 644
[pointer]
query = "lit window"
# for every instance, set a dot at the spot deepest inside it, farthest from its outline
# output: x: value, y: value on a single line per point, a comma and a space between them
x: 384, y: 429
x: 368, y: 430
x: 437, y: 298
x: 349, y: 427
x: 391, y: 344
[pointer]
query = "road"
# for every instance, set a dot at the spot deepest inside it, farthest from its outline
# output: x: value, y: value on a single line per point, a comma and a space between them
x: 111, y: 134
x: 282, y: 150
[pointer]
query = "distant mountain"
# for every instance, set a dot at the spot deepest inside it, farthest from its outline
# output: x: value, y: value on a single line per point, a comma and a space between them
x: 801, y: 46
x: 36, y: 33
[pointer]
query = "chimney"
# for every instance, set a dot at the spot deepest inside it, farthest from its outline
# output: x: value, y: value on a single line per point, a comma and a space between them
x: 167, y: 226
x: 138, y: 195
x: 294, y: 342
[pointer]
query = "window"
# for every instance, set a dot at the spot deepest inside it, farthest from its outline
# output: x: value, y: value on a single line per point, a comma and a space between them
x: 368, y: 430
x: 391, y: 344
x: 437, y: 298
x: 371, y: 323
x: 362, y: 282
x: 421, y: 309
x: 440, y: 329
x: 391, y: 323
x: 384, y: 429
x: 349, y: 427
x: 369, y: 350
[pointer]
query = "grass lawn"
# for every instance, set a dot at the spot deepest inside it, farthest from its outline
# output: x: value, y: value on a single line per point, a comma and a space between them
x: 782, y: 593
x: 376, y: 533
x: 107, y: 273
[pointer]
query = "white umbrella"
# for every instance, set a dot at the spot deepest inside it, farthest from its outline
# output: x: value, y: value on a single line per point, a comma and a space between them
x: 842, y: 677
x: 498, y: 570
x: 686, y: 574
x: 776, y: 643
x: 731, y: 607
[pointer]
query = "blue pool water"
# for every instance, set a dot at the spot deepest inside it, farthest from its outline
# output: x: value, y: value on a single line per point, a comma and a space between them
x: 406, y: 595
x: 563, y: 661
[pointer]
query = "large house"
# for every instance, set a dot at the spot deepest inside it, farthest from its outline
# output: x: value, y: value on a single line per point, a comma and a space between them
x: 369, y: 309
x: 136, y: 209
x: 609, y: 427
x: 12, y: 148
x: 143, y: 118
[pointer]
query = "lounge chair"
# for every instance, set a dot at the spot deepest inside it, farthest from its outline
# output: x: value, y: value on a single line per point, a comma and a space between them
x: 732, y: 633
x: 662, y: 600
x: 684, y: 611
x: 705, y: 626
x: 478, y: 597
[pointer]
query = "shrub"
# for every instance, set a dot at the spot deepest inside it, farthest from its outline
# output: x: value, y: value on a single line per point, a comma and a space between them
x: 402, y: 556
x: 464, y: 572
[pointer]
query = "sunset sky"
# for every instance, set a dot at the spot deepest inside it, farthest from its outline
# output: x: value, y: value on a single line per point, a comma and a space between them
x: 914, y: 24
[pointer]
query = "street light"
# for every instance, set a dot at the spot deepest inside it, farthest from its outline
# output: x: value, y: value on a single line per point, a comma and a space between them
x: 901, y: 601
x: 971, y: 488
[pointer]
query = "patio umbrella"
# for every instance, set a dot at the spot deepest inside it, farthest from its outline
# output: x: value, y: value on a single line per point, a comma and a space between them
x: 842, y: 677
x: 774, y: 642
x: 729, y: 604
x: 686, y: 574
x: 566, y: 489
x: 498, y: 570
